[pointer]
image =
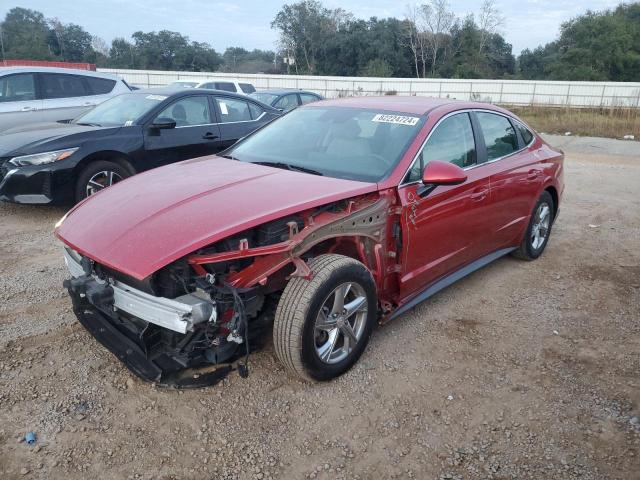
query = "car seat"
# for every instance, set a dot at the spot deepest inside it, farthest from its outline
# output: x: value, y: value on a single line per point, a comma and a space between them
x: 179, y: 114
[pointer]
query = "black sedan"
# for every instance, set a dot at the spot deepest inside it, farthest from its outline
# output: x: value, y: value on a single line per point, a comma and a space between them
x: 130, y: 133
x: 284, y: 99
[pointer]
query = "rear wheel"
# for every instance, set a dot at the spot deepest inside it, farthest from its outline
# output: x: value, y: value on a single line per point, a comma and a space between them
x: 97, y: 176
x: 323, y: 325
x: 538, y: 230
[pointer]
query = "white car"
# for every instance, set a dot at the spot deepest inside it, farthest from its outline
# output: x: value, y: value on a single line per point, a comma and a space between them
x: 183, y: 84
x: 228, y: 86
x: 45, y: 94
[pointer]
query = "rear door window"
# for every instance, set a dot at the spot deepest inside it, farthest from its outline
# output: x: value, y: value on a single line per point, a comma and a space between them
x: 247, y: 88
x: 59, y: 85
x: 100, y: 86
x: 18, y: 88
x: 226, y: 86
x: 499, y: 135
x: 188, y: 111
x: 233, y: 110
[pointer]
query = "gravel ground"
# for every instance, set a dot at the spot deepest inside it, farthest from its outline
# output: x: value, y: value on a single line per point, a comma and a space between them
x: 522, y: 370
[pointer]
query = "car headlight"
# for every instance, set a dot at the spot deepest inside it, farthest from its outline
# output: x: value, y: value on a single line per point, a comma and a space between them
x: 42, y: 158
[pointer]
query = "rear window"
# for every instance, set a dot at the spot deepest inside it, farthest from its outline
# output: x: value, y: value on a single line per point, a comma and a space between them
x: 100, y: 86
x: 59, y: 85
x: 308, y: 98
x: 233, y: 110
x: 247, y: 88
x: 226, y: 86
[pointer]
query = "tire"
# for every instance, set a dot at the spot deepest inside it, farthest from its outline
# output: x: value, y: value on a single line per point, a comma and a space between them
x: 92, y: 173
x: 320, y: 350
x: 532, y: 246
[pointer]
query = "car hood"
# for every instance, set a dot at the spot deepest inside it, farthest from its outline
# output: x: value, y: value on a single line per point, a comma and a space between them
x: 38, y: 137
x: 150, y: 220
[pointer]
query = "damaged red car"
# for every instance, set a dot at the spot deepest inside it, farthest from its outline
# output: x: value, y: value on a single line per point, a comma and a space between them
x: 335, y: 217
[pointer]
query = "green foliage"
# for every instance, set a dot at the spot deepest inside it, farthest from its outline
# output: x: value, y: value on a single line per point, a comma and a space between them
x: 594, y: 46
x: 332, y: 42
x: 322, y: 41
x: 25, y: 34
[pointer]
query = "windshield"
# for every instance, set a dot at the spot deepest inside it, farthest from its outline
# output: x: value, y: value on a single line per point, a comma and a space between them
x: 122, y: 110
x: 349, y: 143
x: 267, y: 98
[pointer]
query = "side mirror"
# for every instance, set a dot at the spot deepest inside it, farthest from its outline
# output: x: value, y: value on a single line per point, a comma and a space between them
x: 440, y: 173
x: 163, y: 123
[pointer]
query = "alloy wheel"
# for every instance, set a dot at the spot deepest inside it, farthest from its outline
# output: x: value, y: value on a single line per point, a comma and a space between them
x: 340, y: 322
x: 102, y: 180
x: 540, y: 227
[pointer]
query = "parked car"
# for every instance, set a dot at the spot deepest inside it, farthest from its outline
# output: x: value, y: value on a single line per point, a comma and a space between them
x: 337, y: 216
x: 285, y: 99
x: 45, y: 94
x: 228, y: 86
x: 66, y: 162
x: 183, y: 84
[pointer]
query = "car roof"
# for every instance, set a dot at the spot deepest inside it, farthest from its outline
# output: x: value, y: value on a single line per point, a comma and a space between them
x: 185, y: 92
x: 68, y: 71
x: 405, y: 104
x: 279, y: 91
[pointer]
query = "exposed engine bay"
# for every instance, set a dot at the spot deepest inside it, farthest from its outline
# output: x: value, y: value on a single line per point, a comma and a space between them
x: 195, y: 320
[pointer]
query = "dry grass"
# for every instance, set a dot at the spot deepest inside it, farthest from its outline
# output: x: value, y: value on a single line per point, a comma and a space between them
x: 593, y: 122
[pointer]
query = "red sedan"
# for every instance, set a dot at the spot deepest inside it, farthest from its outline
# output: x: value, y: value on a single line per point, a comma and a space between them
x: 341, y: 214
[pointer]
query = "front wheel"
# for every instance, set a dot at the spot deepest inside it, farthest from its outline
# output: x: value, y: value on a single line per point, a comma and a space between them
x: 323, y: 325
x: 97, y: 176
x: 538, y: 230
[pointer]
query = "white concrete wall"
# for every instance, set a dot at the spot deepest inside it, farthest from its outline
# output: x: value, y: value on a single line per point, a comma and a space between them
x: 511, y: 92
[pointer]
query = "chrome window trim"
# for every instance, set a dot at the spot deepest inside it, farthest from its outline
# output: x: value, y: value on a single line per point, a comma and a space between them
x: 245, y: 121
x: 222, y: 123
x: 467, y: 110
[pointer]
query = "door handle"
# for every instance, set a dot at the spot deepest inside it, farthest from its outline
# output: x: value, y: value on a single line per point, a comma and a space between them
x: 533, y: 174
x: 209, y: 136
x: 27, y: 109
x: 479, y: 195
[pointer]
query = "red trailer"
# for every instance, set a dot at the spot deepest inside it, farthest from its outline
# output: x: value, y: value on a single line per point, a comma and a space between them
x: 44, y: 63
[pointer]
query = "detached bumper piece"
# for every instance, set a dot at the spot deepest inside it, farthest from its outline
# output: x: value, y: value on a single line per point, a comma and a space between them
x: 167, y: 341
x: 149, y: 351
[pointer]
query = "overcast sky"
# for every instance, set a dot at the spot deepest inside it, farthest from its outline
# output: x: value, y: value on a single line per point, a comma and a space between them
x: 246, y: 23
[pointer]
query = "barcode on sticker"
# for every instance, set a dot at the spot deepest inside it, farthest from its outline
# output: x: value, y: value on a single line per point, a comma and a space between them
x: 399, y: 119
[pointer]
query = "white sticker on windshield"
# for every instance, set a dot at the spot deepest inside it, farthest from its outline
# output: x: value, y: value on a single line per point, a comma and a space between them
x: 128, y: 123
x: 399, y: 119
x: 223, y: 108
x: 156, y: 97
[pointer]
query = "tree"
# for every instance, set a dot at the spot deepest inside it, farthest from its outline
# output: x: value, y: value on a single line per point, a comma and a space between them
x: 122, y: 54
x: 71, y: 42
x: 438, y: 21
x: 488, y: 22
x: 24, y: 35
x: 594, y: 46
x: 303, y: 27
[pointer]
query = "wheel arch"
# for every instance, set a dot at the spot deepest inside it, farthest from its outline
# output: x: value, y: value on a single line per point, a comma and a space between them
x: 554, y: 196
x: 115, y: 156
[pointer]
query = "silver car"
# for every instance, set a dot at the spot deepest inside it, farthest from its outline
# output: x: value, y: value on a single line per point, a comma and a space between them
x: 45, y: 94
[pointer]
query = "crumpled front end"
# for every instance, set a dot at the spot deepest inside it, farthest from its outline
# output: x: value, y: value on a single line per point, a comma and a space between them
x: 196, y: 319
x: 171, y: 341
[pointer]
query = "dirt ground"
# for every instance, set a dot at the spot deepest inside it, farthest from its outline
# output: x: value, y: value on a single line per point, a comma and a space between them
x: 520, y: 371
